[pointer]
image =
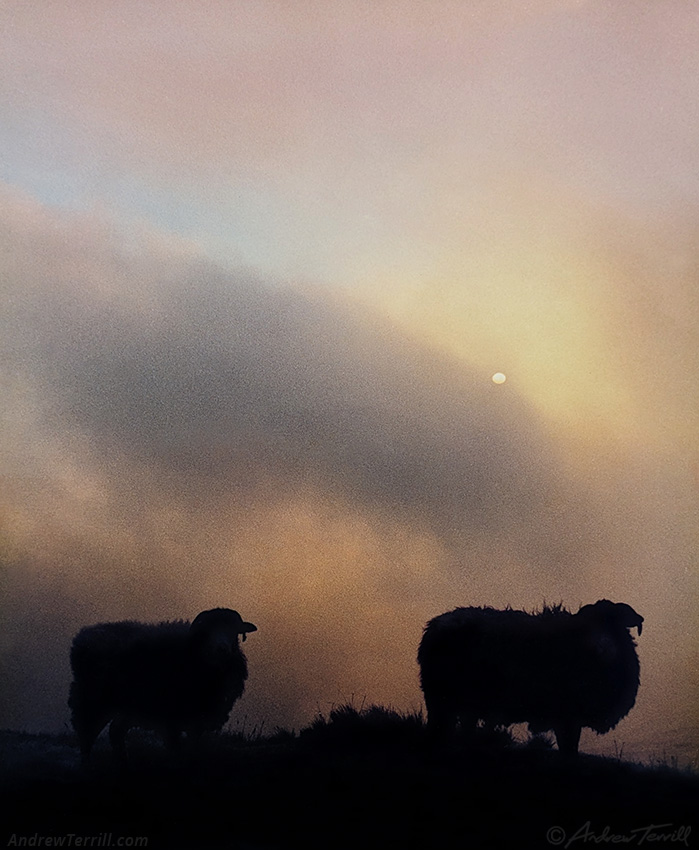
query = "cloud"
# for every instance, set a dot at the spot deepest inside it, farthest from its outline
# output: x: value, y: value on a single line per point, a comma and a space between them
x: 210, y: 375
x: 178, y: 435
x: 310, y: 138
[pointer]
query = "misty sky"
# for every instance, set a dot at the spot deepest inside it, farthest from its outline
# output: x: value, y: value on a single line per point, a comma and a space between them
x: 259, y: 262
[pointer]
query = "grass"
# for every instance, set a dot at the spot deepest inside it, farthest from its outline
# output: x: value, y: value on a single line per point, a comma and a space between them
x: 360, y: 778
x: 369, y: 728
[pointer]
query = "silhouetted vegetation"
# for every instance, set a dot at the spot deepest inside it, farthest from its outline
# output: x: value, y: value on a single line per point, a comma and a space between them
x: 372, y: 728
x: 357, y: 778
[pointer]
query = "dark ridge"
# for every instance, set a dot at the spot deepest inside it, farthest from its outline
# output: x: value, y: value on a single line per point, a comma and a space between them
x: 359, y: 778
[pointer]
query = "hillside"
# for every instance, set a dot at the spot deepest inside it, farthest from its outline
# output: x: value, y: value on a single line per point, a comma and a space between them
x: 355, y: 780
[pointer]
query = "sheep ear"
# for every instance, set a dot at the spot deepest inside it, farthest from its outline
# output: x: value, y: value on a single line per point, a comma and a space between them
x: 245, y: 637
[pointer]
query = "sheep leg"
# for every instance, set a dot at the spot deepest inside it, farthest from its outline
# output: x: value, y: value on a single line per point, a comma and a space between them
x: 87, y: 732
x: 441, y: 719
x: 88, y: 718
x: 117, y: 738
x: 568, y: 738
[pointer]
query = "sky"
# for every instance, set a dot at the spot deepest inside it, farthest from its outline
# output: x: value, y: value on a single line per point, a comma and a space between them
x: 259, y: 262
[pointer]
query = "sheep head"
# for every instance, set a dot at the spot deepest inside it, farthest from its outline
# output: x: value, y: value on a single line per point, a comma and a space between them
x: 616, y: 614
x: 218, y: 630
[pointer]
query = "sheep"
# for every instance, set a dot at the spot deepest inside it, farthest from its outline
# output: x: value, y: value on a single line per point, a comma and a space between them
x: 172, y: 677
x: 554, y: 670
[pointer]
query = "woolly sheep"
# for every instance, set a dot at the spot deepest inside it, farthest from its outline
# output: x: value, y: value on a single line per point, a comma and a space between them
x: 554, y: 670
x: 171, y: 677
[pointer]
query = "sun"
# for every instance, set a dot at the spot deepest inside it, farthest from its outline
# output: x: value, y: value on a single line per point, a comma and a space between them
x: 499, y: 378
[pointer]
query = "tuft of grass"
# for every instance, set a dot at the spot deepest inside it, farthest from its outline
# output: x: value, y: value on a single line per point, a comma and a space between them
x: 672, y: 764
x: 539, y: 741
x: 489, y: 738
x: 282, y: 736
x: 618, y: 750
x: 367, y: 727
x: 240, y: 731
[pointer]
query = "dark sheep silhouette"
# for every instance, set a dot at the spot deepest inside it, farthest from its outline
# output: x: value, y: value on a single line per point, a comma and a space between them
x: 171, y: 677
x: 553, y: 670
